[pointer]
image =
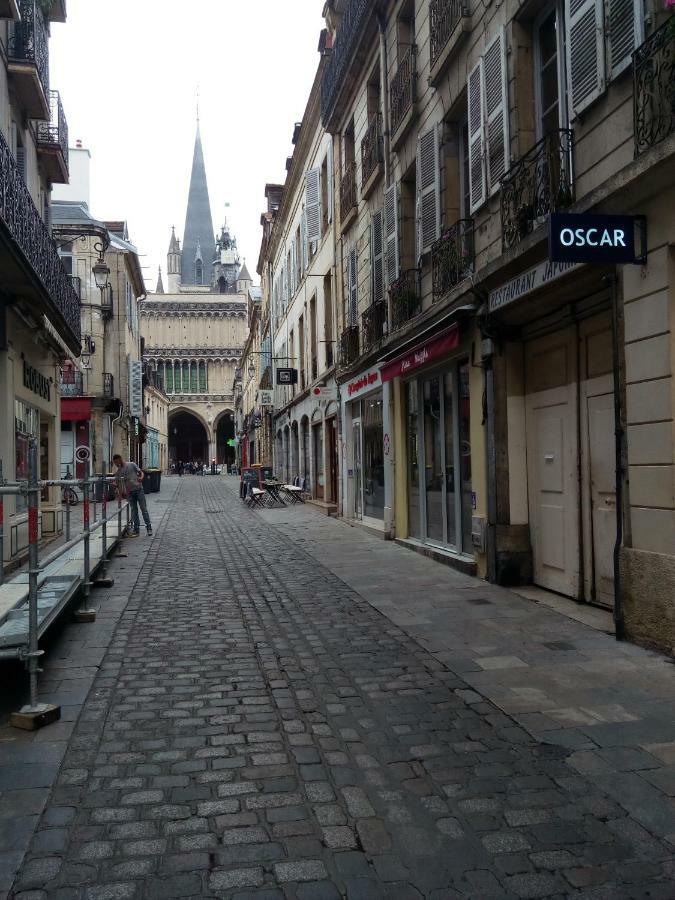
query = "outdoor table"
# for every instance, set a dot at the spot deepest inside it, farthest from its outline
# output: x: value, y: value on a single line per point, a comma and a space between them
x: 273, y: 488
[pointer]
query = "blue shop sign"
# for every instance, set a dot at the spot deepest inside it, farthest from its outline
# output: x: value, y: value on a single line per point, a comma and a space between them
x: 590, y: 238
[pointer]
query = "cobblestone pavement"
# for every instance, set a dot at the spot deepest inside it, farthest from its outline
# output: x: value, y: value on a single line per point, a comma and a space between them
x: 258, y: 730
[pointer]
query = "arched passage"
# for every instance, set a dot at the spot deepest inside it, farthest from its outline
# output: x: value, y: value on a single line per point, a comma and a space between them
x: 224, y: 428
x: 188, y: 439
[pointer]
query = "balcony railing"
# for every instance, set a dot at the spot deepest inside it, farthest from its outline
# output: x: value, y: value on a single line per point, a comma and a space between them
x: 348, y: 201
x: 402, y: 89
x: 349, y: 34
x: 108, y: 386
x: 443, y: 17
x: 406, y: 302
x: 349, y: 346
x: 20, y: 218
x: 53, y: 135
x: 539, y: 183
x: 29, y: 42
x: 72, y: 384
x: 452, y: 257
x: 654, y: 88
x: 371, y: 149
x: 374, y: 325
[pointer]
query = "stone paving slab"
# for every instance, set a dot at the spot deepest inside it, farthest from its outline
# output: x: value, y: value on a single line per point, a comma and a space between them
x: 258, y: 728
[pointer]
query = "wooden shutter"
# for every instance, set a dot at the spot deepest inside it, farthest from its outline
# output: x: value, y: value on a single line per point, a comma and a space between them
x: 495, y: 80
x: 585, y: 52
x: 313, y: 204
x: 303, y: 240
x: 391, y: 233
x: 428, y: 191
x: 476, y: 137
x: 353, y: 288
x: 377, y: 256
x: 625, y: 27
x: 329, y: 186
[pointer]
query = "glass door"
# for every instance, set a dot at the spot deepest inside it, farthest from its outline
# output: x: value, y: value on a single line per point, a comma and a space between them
x: 434, y: 460
x: 358, y: 477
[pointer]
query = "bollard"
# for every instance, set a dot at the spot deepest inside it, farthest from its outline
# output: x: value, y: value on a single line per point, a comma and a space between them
x: 86, y: 614
x: 35, y: 715
x: 67, y: 521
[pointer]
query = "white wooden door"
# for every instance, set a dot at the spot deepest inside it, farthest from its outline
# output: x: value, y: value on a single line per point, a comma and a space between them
x: 552, y: 462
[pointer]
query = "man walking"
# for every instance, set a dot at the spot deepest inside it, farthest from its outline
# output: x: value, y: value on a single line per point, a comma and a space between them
x: 129, y: 484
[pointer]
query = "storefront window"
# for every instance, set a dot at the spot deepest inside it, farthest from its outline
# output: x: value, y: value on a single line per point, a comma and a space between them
x: 450, y: 485
x: 318, y: 461
x: 26, y: 426
x: 413, y: 463
x: 373, y: 456
x: 465, y: 455
x: 433, y: 458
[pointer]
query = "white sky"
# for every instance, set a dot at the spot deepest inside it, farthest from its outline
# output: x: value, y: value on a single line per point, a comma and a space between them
x: 128, y: 73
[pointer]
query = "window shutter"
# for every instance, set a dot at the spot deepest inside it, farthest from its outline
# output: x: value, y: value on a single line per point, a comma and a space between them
x: 353, y: 288
x: 329, y: 186
x: 391, y: 233
x: 495, y: 77
x: 294, y: 269
x: 313, y: 204
x: 625, y: 26
x: 428, y: 191
x: 284, y: 277
x: 585, y: 52
x: 303, y: 239
x: 476, y: 137
x: 377, y: 256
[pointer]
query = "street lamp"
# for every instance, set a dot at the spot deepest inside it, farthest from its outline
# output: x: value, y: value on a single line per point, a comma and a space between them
x: 251, y: 370
x: 100, y: 269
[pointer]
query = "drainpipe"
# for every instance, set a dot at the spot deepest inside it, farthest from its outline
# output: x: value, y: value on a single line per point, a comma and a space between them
x: 619, y: 625
x: 381, y: 25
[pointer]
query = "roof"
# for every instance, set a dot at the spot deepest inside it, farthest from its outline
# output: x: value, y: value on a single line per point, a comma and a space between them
x: 244, y: 274
x: 72, y: 212
x: 198, y: 221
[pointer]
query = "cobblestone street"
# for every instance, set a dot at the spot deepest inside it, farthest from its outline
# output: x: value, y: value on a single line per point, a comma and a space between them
x: 258, y: 729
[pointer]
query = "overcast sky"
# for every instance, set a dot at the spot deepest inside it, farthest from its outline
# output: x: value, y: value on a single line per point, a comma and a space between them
x: 128, y: 74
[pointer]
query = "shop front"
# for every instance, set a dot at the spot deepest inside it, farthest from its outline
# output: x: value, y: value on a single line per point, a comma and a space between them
x: 437, y: 494
x: 366, y: 472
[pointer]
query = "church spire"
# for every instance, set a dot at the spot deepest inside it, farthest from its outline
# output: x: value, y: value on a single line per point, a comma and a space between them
x: 198, y: 222
x: 160, y: 283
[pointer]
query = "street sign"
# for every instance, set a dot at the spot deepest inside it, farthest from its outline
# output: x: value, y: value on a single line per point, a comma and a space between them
x: 265, y: 397
x: 590, y: 238
x: 324, y: 393
x: 231, y: 442
x: 287, y: 376
x: 82, y: 454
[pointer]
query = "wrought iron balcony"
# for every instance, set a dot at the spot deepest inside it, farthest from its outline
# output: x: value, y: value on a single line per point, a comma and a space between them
x: 654, y: 88
x: 406, y: 302
x: 452, y: 257
x: 72, y: 383
x: 349, y: 346
x: 52, y: 141
x: 351, y: 32
x: 28, y: 59
x: 444, y: 17
x: 348, y: 199
x: 371, y: 149
x: 374, y: 325
x: 402, y: 89
x: 36, y: 271
x: 108, y: 386
x: 539, y: 183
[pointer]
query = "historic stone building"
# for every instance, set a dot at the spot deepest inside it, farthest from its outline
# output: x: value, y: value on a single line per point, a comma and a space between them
x: 194, y: 333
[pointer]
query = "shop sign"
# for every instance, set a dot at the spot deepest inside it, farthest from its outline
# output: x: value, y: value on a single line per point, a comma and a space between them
x: 265, y: 398
x: 432, y: 350
x: 529, y: 281
x: 367, y: 381
x: 287, y: 376
x: 36, y: 382
x: 324, y: 393
x: 583, y: 237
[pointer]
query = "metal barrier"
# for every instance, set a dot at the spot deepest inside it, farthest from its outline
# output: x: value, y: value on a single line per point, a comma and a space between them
x: 36, y: 715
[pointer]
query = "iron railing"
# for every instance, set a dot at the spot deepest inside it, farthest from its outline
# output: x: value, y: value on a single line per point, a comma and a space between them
x: 406, y: 302
x: 108, y: 385
x: 349, y: 346
x: 539, y: 183
x: 348, y: 36
x: 72, y: 384
x: 348, y: 200
x: 30, y: 42
x: 22, y: 220
x: 452, y: 257
x: 54, y: 133
x: 402, y: 89
x: 374, y: 325
x: 443, y: 18
x: 654, y: 88
x: 371, y: 148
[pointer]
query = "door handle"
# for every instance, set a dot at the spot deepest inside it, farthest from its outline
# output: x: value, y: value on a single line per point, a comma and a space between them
x: 549, y: 457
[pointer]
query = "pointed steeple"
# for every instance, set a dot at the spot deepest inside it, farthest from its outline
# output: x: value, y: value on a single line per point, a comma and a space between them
x: 174, y: 243
x: 160, y: 284
x: 244, y: 274
x: 198, y: 222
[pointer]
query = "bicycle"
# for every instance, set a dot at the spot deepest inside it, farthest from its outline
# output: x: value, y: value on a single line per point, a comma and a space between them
x: 69, y: 494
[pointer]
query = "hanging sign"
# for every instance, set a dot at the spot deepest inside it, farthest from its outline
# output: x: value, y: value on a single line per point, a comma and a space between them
x: 324, y: 393
x: 265, y: 397
x: 287, y: 376
x: 590, y: 238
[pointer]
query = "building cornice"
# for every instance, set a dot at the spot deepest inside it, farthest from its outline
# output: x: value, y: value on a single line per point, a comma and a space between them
x: 191, y: 352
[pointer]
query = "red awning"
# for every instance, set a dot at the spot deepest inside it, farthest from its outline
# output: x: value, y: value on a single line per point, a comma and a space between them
x: 75, y: 409
x: 425, y: 353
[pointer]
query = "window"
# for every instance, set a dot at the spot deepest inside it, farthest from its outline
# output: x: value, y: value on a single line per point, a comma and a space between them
x: 348, y: 146
x: 301, y: 348
x: 391, y: 233
x: 549, y: 61
x: 405, y: 29
x: 407, y: 222
x: 464, y: 171
x: 328, y: 319
x: 312, y: 339
x: 352, y: 289
x: 487, y: 96
x: 26, y: 427
x: 324, y: 195
x: 428, y: 201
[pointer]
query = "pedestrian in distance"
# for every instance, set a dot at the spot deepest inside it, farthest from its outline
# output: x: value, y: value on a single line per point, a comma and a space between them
x: 130, y: 484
